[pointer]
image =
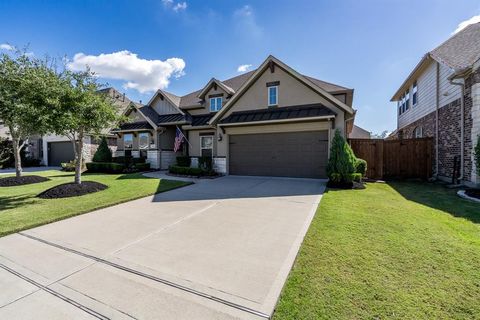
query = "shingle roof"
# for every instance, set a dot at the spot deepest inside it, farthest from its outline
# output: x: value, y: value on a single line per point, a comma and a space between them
x: 235, y: 83
x: 293, y: 112
x: 134, y: 126
x: 158, y: 119
x: 460, y: 51
x: 150, y: 113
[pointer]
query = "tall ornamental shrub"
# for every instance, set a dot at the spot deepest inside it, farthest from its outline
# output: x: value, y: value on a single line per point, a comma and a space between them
x: 341, y: 164
x: 103, y: 154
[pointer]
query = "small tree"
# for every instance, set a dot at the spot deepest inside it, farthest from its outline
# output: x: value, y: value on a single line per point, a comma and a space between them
x: 82, y: 111
x: 341, y: 164
x: 28, y: 91
x: 103, y: 153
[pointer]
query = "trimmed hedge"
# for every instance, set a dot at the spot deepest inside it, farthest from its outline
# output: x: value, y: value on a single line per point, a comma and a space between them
x: 184, y: 161
x: 142, y: 166
x: 105, y: 167
x: 186, y: 171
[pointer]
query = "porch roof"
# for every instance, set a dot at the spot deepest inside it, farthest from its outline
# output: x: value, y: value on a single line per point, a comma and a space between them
x: 282, y: 113
x: 134, y: 126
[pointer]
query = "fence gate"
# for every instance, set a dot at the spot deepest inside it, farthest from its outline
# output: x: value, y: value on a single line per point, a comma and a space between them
x: 407, y: 158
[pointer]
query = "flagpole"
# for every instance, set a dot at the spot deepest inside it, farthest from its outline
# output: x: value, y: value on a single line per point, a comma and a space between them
x: 184, y: 136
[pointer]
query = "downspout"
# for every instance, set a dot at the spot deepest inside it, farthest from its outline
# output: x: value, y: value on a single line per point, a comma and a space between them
x: 437, y: 106
x: 462, y: 124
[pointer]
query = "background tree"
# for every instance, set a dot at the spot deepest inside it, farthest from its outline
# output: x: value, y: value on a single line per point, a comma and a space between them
x: 81, y: 111
x: 28, y: 91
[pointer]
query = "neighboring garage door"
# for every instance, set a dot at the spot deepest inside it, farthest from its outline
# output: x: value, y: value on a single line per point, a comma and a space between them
x: 293, y: 154
x: 59, y: 152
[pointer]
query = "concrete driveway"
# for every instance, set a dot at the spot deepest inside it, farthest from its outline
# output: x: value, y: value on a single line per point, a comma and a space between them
x: 218, y: 249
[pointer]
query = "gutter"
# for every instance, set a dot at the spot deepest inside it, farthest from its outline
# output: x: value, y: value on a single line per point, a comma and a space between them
x: 451, y: 79
x: 437, y: 107
x: 275, y: 121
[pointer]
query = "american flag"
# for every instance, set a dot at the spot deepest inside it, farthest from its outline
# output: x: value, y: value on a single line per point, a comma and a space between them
x: 178, y: 140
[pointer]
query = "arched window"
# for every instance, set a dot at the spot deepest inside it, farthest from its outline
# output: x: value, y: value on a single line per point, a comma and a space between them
x: 418, y: 132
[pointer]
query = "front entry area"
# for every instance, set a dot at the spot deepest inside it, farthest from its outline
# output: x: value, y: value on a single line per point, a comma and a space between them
x: 286, y: 154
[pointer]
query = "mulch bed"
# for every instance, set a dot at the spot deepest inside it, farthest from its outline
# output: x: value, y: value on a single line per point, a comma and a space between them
x: 72, y: 190
x: 474, y: 193
x: 345, y: 185
x: 14, y: 181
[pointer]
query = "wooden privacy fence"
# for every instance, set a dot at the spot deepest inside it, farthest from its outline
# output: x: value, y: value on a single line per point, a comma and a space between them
x: 408, y: 158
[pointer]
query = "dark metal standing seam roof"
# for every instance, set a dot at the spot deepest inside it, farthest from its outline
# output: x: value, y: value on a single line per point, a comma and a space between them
x: 279, y: 113
x: 167, y: 118
x: 201, y: 120
x: 134, y: 126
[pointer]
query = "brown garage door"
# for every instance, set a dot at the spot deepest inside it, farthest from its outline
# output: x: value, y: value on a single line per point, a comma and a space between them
x: 295, y: 154
x: 59, y: 152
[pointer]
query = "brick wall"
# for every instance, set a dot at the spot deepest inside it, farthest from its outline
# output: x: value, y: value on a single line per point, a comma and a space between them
x: 449, y: 117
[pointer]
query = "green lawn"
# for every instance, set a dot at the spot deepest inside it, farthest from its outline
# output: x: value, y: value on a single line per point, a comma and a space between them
x: 20, y: 209
x: 393, y: 251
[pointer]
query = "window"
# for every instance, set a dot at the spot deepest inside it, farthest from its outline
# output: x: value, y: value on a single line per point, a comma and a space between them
x: 407, y: 99
x: 128, y: 141
x: 399, y: 103
x: 418, y: 132
x: 215, y: 104
x: 143, y: 138
x: 273, y: 96
x: 415, y: 94
x: 206, y: 146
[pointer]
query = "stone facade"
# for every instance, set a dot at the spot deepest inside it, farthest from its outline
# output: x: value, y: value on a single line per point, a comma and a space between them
x: 220, y: 165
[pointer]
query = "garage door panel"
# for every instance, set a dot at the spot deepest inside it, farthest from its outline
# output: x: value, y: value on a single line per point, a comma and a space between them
x: 59, y: 152
x: 293, y: 154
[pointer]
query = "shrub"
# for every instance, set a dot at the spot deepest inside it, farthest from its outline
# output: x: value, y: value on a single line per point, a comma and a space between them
x: 105, y: 167
x: 30, y: 162
x: 205, y: 163
x: 142, y: 166
x: 341, y: 164
x: 184, y: 161
x: 103, y: 154
x: 361, y: 166
x: 477, y: 155
x: 7, y: 159
x: 186, y: 171
x: 68, y: 166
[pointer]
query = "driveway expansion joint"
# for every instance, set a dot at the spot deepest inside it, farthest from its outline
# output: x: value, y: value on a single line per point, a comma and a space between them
x: 150, y: 277
x: 55, y: 293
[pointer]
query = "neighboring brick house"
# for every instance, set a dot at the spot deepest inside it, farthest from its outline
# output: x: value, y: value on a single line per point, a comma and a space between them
x: 441, y: 99
x: 272, y: 121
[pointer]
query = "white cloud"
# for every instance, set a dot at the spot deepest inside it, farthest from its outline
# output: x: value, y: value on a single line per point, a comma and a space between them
x: 177, y: 7
x: 140, y: 74
x: 6, y: 46
x: 462, y: 25
x: 180, y: 6
x: 243, y: 67
x: 245, y: 22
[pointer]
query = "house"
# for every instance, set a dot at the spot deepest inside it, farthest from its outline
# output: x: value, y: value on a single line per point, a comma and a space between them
x: 441, y: 99
x: 53, y: 149
x: 359, y: 133
x: 272, y: 121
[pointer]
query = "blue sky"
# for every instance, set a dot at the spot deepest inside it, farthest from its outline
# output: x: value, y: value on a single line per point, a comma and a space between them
x: 367, y: 45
